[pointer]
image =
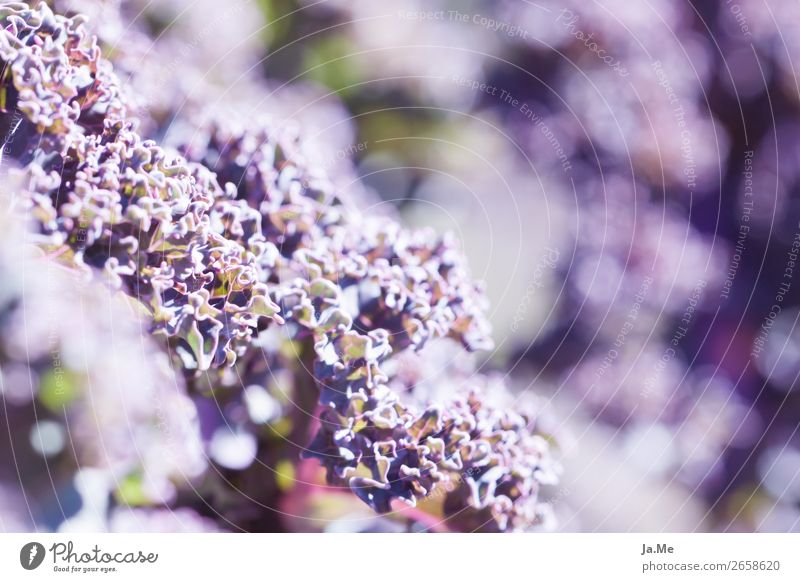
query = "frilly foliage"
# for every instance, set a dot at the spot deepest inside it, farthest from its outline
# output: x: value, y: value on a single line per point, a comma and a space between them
x: 233, y: 235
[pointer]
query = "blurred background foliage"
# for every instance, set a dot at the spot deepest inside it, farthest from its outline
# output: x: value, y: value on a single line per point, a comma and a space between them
x: 604, y: 211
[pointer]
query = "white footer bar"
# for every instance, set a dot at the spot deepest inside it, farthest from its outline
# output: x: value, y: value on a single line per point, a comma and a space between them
x: 395, y: 557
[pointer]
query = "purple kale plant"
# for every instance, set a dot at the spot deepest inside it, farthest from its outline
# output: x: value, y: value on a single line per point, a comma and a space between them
x: 283, y: 307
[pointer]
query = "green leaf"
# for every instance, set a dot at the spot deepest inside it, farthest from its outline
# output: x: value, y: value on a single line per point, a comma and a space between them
x: 131, y: 491
x: 58, y: 389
